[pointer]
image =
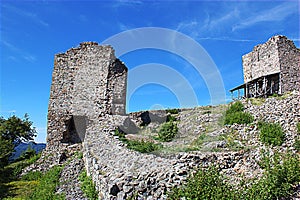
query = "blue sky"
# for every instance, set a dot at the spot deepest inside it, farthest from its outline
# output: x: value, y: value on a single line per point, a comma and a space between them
x: 32, y: 32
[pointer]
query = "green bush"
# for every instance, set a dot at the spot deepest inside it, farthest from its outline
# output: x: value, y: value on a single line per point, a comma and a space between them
x: 298, y: 127
x: 282, y: 174
x: 173, y: 111
x: 238, y: 118
x: 167, y: 131
x: 121, y: 135
x: 47, y: 185
x: 235, y: 107
x: 171, y: 118
x: 235, y: 114
x: 271, y: 133
x: 87, y: 186
x: 297, y: 145
x: 205, y: 184
x: 142, y: 146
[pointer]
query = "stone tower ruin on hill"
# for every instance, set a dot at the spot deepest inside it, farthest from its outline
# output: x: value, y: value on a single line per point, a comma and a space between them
x: 87, y: 82
x: 271, y: 68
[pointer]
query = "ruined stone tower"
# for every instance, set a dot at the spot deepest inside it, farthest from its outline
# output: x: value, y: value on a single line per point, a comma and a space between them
x: 87, y: 82
x: 271, y: 68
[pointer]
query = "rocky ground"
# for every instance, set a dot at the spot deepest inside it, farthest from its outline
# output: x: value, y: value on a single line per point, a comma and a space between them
x: 202, y: 140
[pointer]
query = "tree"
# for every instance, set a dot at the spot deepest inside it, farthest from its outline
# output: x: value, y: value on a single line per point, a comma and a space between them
x: 12, y: 132
x: 6, y: 148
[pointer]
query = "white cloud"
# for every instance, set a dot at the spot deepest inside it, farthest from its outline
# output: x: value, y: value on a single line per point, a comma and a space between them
x: 277, y: 13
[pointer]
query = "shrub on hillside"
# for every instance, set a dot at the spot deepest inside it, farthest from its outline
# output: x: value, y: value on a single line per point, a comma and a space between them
x: 173, y: 111
x: 271, y: 133
x: 297, y: 145
x: 282, y: 174
x: 142, y: 146
x: 236, y: 114
x: 235, y: 107
x: 298, y: 127
x: 238, y: 118
x: 205, y: 184
x: 170, y: 118
x: 167, y: 131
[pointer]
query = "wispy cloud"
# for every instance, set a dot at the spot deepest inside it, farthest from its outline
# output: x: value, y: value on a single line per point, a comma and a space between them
x: 192, y: 27
x: 225, y: 39
x: 199, y: 31
x: 223, y: 20
x: 124, y: 27
x: 30, y: 15
x: 277, y: 13
x: 29, y: 58
x: 21, y: 53
x: 82, y: 18
x: 120, y: 3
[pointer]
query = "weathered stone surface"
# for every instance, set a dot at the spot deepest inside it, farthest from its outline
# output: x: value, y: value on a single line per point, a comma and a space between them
x: 87, y: 81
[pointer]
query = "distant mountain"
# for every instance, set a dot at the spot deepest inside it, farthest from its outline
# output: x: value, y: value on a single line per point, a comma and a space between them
x: 23, y: 146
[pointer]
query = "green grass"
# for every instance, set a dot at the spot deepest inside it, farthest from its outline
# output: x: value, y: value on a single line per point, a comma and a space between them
x: 257, y: 101
x: 9, y: 177
x: 45, y: 189
x: 298, y: 127
x: 143, y: 146
x: 87, y: 186
x: 229, y: 138
x: 33, y: 185
x: 138, y: 145
x: 20, y: 189
x: 203, y: 138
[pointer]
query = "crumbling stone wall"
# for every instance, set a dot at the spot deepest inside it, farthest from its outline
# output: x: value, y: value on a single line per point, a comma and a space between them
x: 277, y: 55
x: 87, y: 82
x: 289, y: 59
